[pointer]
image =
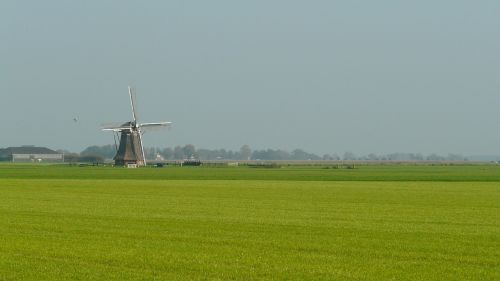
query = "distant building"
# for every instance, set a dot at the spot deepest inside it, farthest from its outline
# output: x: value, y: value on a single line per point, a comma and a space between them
x: 30, y: 154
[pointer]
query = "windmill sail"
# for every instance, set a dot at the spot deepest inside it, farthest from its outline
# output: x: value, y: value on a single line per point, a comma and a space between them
x: 132, y: 103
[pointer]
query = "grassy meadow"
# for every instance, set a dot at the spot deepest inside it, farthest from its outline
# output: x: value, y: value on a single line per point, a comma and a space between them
x: 238, y: 223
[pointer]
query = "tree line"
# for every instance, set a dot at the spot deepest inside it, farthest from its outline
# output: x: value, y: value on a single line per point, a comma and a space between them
x: 189, y: 151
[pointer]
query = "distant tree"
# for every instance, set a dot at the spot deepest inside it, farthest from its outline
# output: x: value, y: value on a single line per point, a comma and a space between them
x: 271, y: 154
x: 455, y: 157
x: 401, y: 156
x: 151, y: 152
x: 435, y: 157
x: 231, y: 154
x: 88, y: 158
x: 167, y: 153
x: 349, y: 156
x: 259, y: 155
x: 335, y: 157
x: 71, y: 157
x: 179, y: 153
x: 105, y: 151
x: 221, y: 154
x: 299, y: 154
x: 280, y: 155
x: 419, y: 157
x: 206, y: 154
x: 189, y: 151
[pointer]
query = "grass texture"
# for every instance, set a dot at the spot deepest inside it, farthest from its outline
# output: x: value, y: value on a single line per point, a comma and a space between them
x: 297, y: 223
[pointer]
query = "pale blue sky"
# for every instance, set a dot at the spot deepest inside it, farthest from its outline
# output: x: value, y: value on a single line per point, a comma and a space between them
x: 325, y: 76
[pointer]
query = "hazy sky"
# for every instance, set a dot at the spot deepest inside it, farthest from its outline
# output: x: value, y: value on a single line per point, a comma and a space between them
x: 326, y: 76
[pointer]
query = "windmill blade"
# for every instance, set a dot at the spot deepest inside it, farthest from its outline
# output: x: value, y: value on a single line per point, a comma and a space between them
x: 142, y: 148
x: 132, y: 103
x: 148, y: 127
x: 115, y: 127
x: 155, y: 124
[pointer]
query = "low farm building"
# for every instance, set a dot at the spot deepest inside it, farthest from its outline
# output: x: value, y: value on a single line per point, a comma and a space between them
x: 30, y: 154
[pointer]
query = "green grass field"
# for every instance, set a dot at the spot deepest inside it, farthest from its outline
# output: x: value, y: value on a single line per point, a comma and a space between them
x: 292, y: 223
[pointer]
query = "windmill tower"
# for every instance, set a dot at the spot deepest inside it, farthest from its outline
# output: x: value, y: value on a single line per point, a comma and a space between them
x: 130, y: 149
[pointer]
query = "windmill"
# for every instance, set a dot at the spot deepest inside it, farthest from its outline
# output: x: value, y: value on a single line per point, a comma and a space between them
x: 130, y: 149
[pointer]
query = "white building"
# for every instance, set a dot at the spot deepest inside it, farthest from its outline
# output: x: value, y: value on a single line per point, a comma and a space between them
x: 30, y: 154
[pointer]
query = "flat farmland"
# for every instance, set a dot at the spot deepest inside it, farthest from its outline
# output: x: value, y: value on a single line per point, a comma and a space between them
x: 240, y: 223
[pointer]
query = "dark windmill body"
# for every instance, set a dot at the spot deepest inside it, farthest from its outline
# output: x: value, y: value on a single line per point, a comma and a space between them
x: 130, y: 150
